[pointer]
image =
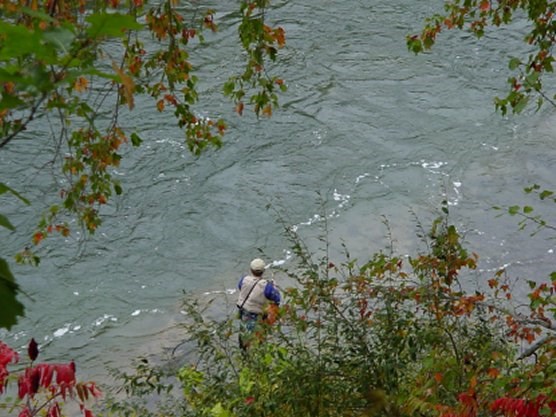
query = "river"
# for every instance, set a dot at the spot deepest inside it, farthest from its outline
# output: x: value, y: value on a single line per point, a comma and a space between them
x: 366, y: 132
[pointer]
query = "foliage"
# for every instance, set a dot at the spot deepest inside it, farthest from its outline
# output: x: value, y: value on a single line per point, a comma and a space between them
x: 43, y: 388
x: 9, y: 289
x: 477, y: 16
x: 526, y: 212
x: 73, y: 63
x: 395, y: 336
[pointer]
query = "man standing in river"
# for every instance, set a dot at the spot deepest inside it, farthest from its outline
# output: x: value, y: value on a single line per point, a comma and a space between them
x: 255, y: 295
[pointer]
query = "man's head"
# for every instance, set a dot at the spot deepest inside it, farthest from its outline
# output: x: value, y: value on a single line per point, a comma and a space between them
x: 257, y: 266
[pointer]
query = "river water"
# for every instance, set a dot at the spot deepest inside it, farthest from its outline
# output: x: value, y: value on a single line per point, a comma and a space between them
x: 366, y: 132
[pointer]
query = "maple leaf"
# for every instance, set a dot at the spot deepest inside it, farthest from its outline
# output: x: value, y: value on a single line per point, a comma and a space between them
x: 81, y: 84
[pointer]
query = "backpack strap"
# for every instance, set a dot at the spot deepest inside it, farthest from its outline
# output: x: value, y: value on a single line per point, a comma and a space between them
x: 248, y: 294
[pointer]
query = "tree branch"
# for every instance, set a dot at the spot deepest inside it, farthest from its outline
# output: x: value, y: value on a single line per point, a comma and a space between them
x: 535, y: 346
x: 7, y: 139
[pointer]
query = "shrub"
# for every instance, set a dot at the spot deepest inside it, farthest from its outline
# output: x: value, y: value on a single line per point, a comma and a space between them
x: 394, y: 336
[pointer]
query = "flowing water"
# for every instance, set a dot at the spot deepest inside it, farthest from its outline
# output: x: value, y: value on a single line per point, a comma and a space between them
x: 366, y: 132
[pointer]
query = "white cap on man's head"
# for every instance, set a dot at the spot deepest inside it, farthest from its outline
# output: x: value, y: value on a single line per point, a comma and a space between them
x: 257, y: 265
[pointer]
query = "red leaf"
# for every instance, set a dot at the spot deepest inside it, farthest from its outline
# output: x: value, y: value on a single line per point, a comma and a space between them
x: 95, y: 392
x: 65, y: 374
x: 47, y: 371
x: 7, y: 356
x: 33, y: 350
x: 29, y: 382
x: 54, y: 410
x: 25, y: 412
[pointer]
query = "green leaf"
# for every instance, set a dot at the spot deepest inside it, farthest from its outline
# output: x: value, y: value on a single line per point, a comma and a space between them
x: 111, y: 25
x: 10, y: 102
x: 527, y: 209
x: 514, y: 63
x: 11, y: 307
x: 219, y: 411
x: 532, y: 188
x: 6, y: 223
x: 513, y: 210
x: 531, y: 79
x: 135, y: 139
x: 61, y: 38
x: 17, y: 41
x: 545, y: 193
x: 229, y: 88
x: 520, y: 104
x: 38, y: 14
x: 4, y: 189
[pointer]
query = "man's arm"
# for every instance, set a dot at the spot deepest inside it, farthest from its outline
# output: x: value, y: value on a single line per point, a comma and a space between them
x: 272, y: 293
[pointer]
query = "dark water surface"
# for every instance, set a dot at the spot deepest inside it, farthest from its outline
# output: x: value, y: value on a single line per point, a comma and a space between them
x: 376, y: 131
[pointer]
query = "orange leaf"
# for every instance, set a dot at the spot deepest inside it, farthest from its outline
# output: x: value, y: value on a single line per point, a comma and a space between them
x: 493, y: 283
x: 9, y: 87
x: 81, y: 84
x: 267, y: 111
x: 280, y: 36
x: 127, y: 84
x: 160, y: 105
x: 37, y: 237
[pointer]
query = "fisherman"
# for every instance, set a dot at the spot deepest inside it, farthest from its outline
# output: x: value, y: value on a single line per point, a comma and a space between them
x: 255, y: 295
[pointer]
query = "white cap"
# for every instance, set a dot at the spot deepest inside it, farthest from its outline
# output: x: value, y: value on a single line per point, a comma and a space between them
x: 257, y: 265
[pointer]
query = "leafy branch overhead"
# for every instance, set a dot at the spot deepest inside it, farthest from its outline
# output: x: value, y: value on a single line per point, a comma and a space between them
x: 56, y: 56
x: 9, y: 289
x: 477, y: 16
x: 79, y: 64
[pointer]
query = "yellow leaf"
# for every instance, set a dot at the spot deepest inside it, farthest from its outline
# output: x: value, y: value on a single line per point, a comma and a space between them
x: 127, y: 84
x: 81, y: 84
x: 267, y: 111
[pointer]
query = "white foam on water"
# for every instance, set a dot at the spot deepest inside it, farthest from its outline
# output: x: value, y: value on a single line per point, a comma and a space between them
x: 62, y: 331
x: 361, y: 177
x: 432, y: 165
x: 103, y: 319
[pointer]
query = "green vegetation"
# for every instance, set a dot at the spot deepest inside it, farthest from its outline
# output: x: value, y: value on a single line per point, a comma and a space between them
x: 481, y: 16
x: 393, y: 335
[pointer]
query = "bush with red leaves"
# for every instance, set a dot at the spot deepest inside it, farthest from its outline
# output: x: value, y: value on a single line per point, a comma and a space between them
x: 42, y: 386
